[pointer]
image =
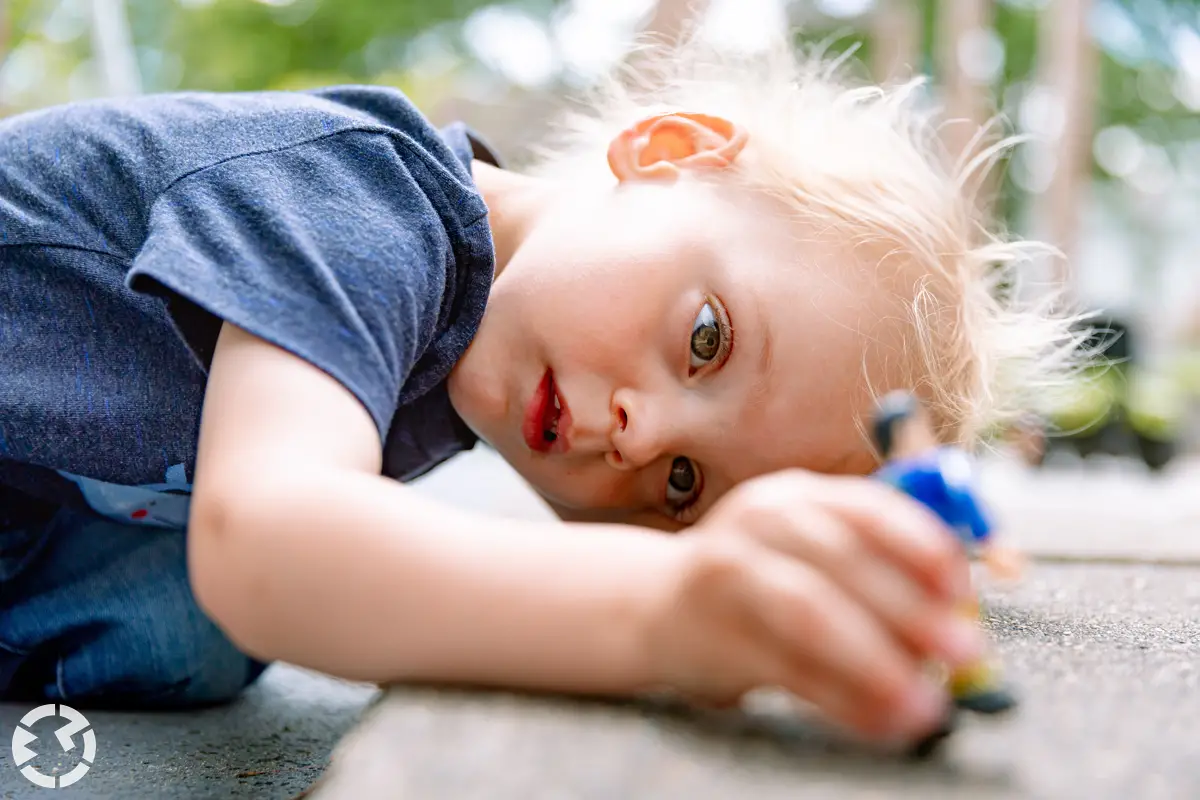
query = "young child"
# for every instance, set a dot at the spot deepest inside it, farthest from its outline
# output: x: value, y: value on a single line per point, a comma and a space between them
x: 234, y: 325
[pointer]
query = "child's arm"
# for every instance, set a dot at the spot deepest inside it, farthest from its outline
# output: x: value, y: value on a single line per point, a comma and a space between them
x: 303, y: 553
x: 838, y: 590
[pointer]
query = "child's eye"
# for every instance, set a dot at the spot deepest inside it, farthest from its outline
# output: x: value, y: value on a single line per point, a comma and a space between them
x: 712, y: 337
x: 684, y: 484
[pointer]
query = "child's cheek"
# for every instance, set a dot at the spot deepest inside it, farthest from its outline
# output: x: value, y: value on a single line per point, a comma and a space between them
x: 609, y: 345
x: 585, y: 485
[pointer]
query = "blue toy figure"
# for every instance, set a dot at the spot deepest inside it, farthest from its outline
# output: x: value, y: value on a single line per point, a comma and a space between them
x: 941, y: 478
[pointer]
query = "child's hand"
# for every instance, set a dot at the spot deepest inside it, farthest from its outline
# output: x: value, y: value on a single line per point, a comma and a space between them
x: 835, y: 589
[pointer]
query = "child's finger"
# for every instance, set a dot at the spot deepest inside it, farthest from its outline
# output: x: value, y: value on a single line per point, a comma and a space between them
x: 822, y: 632
x: 902, y: 530
x: 932, y: 628
x: 928, y: 626
x: 856, y: 713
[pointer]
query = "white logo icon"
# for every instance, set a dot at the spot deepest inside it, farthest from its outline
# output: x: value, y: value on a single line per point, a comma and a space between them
x: 76, y: 723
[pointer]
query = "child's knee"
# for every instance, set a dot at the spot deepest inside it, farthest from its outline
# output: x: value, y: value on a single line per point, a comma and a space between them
x: 155, y: 660
x: 138, y: 640
x: 109, y: 618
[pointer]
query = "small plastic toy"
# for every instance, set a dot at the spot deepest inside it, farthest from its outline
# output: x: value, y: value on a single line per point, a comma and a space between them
x: 940, y: 477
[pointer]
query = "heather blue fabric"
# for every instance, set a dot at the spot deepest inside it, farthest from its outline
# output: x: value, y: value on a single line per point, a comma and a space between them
x: 337, y: 224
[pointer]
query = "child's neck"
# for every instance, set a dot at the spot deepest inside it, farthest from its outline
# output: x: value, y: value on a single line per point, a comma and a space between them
x: 514, y: 204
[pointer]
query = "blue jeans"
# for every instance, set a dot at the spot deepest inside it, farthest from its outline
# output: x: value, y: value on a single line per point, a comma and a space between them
x: 98, y: 614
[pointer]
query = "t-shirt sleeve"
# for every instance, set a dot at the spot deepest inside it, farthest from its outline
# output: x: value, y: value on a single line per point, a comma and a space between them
x: 328, y: 249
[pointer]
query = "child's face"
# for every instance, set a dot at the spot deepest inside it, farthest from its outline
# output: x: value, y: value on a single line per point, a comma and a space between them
x: 692, y: 338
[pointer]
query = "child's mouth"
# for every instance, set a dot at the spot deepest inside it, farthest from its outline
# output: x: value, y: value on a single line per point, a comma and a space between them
x: 547, y: 420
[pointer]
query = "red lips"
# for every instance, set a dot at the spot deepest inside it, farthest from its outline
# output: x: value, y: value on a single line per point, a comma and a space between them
x: 547, y: 420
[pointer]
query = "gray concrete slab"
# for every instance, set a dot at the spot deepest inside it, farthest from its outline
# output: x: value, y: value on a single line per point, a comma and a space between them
x: 1109, y: 509
x: 1105, y: 658
x: 271, y: 743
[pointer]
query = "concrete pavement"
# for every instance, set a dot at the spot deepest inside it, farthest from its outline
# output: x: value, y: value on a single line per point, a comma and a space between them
x: 1105, y: 656
x: 270, y: 744
x: 1106, y: 660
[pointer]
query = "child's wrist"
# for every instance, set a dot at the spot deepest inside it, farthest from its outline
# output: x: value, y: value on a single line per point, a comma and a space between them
x: 652, y: 611
x: 663, y: 619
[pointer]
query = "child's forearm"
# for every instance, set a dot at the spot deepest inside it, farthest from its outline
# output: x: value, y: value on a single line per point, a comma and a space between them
x: 363, y: 578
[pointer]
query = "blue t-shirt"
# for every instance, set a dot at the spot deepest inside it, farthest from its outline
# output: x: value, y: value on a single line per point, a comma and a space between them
x: 337, y: 224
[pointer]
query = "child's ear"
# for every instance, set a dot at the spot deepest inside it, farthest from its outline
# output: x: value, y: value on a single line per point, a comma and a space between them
x: 663, y: 146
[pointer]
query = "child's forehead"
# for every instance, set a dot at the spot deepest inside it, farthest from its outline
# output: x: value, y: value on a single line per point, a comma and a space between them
x: 796, y: 273
x: 838, y: 333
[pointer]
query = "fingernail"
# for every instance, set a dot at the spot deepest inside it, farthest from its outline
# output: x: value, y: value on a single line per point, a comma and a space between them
x: 960, y: 641
x: 923, y: 708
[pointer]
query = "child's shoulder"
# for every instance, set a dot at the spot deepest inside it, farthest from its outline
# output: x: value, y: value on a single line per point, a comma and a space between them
x: 365, y: 144
x: 168, y: 135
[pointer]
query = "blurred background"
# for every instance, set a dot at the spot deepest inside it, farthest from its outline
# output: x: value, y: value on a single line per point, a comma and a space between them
x: 1107, y: 90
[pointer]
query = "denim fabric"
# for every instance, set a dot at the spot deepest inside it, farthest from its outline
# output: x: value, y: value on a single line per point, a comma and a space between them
x: 99, y: 614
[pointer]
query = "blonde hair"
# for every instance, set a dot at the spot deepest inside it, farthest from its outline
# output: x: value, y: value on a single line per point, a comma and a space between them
x: 862, y: 162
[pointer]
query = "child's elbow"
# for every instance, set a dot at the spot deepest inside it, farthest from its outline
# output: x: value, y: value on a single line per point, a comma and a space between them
x: 219, y: 569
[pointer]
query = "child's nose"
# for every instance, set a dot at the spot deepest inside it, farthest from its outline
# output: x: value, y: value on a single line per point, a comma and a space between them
x: 641, y: 433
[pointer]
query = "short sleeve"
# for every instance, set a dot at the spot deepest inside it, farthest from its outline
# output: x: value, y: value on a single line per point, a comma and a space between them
x: 327, y: 249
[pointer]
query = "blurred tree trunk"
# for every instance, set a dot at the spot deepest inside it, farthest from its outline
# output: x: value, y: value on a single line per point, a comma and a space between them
x: 113, y: 48
x: 670, y: 22
x: 1067, y: 64
x: 672, y: 18
x: 4, y: 34
x: 5, y: 43
x: 506, y: 121
x: 968, y: 104
x: 966, y: 101
x: 895, y: 40
x: 5, y: 30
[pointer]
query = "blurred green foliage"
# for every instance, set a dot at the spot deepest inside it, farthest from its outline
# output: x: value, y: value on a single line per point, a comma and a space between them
x: 240, y: 45
x: 1136, y: 68
x: 234, y: 45
x: 253, y: 44
x: 256, y: 44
